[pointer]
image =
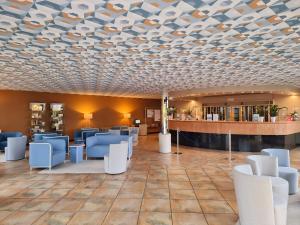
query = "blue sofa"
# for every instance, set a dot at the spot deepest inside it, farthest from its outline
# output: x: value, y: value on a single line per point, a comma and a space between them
x: 81, y: 135
x: 5, y: 135
x: 62, y: 137
x: 39, y: 136
x: 98, y: 146
x: 47, y: 153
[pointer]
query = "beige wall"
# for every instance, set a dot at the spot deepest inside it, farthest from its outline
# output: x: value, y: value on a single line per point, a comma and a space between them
x: 290, y: 101
x: 107, y: 111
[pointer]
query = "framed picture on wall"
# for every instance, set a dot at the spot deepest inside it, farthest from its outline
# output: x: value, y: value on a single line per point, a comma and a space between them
x: 150, y: 113
x: 156, y: 115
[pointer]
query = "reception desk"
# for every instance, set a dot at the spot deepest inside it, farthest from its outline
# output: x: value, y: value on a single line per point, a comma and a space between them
x: 245, y: 136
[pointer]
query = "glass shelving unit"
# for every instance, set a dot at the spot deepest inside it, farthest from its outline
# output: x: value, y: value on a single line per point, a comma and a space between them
x: 57, y: 117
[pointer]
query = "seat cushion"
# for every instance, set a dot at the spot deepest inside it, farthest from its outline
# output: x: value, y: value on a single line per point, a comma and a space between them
x: 280, y: 187
x: 280, y: 209
x: 290, y: 175
x: 98, y: 150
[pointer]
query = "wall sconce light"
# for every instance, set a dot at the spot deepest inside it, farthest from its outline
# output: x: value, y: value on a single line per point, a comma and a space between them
x: 127, y: 115
x: 88, y: 116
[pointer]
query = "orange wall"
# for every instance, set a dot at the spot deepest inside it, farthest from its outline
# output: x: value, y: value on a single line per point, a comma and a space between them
x: 107, y: 111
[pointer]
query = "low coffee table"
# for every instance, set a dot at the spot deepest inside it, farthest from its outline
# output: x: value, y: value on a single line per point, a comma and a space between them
x: 76, y: 153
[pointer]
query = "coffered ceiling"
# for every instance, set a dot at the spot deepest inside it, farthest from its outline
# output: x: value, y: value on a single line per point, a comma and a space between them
x: 138, y: 48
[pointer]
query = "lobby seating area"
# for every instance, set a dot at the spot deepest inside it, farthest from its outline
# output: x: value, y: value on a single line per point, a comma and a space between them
x: 196, y: 187
x: 149, y: 112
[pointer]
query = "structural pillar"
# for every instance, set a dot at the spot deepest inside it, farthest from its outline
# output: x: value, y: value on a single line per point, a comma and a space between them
x: 164, y: 135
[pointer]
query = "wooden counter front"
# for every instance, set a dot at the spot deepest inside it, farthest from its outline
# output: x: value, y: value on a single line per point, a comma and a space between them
x: 240, y: 128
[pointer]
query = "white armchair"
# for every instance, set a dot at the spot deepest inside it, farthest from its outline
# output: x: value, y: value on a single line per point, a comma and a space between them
x: 134, y: 132
x: 116, y: 160
x: 16, y: 148
x: 263, y: 165
x: 257, y: 203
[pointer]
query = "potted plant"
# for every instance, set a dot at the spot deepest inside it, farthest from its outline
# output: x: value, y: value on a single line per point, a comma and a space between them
x: 261, y: 112
x: 274, y: 110
x: 189, y: 113
x: 171, y: 111
x: 295, y: 116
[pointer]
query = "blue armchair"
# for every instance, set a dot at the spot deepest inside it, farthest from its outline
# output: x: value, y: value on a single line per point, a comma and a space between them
x: 64, y: 137
x: 39, y: 136
x: 81, y: 135
x: 5, y: 135
x: 47, y: 153
x: 98, y: 146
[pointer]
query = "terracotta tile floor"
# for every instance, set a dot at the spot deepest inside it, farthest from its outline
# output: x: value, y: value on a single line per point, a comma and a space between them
x: 194, y: 188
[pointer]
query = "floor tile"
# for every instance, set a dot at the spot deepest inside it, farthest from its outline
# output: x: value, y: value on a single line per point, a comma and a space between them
x: 30, y: 193
x: 4, y: 214
x: 126, y: 205
x: 178, y: 177
x: 80, y: 193
x: 157, y: 184
x: 43, y: 184
x: 56, y: 193
x: 201, y: 178
x: 121, y: 218
x: 8, y: 192
x: 208, y: 194
x: 221, y: 219
x: 187, y: 206
x: 12, y: 204
x: 188, y: 219
x: 38, y: 205
x: 97, y: 204
x: 155, y: 218
x: 213, y: 206
x: 182, y: 194
x: 228, y: 195
x: 203, y: 185
x: 112, y: 184
x: 87, y: 218
x: 157, y: 193
x: 68, y: 205
x: 156, y: 205
x: 180, y: 185
x: 174, y: 171
x: 21, y: 218
x: 105, y: 193
x: 54, y: 218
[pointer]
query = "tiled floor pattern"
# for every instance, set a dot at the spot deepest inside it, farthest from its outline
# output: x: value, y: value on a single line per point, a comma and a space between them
x: 159, y: 189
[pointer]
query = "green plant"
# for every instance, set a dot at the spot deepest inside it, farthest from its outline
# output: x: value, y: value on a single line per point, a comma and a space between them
x: 274, y: 110
x: 261, y: 111
x: 171, y: 111
x: 294, y: 115
x: 189, y: 112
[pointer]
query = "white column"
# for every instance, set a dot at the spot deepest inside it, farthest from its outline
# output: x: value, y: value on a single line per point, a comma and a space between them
x: 164, y: 136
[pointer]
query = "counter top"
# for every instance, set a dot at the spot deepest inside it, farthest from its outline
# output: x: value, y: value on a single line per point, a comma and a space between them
x: 242, y: 128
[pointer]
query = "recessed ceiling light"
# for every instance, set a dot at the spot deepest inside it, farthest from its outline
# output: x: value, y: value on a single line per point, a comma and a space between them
x: 5, y: 23
x: 83, y: 6
x: 41, y: 16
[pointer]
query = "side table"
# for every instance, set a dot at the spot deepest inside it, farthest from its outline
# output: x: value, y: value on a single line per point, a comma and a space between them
x: 76, y: 153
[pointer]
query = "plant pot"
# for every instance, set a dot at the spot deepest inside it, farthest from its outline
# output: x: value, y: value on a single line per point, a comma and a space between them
x: 261, y: 119
x: 273, y: 119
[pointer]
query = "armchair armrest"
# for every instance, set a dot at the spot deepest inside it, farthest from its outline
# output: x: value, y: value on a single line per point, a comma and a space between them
x: 90, y: 141
x: 40, y: 154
